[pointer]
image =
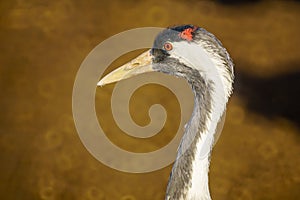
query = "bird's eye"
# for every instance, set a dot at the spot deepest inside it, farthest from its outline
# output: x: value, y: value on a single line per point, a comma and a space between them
x: 168, y: 46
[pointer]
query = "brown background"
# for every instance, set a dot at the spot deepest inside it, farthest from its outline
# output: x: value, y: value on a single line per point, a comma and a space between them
x: 42, y: 46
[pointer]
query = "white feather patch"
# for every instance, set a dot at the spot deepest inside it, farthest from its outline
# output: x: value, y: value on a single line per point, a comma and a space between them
x: 212, y: 69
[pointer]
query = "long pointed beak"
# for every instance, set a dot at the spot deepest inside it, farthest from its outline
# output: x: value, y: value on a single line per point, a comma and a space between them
x: 139, y: 65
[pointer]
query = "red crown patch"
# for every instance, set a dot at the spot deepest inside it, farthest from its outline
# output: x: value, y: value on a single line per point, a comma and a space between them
x: 187, y: 34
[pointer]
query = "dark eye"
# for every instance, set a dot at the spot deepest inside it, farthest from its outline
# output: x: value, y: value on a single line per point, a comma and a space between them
x: 168, y: 46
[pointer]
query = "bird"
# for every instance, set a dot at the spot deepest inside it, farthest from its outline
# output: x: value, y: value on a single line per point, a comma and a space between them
x: 196, y: 55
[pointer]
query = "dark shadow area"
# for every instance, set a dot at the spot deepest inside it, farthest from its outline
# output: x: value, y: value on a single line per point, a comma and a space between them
x: 235, y: 2
x: 238, y: 2
x: 277, y: 96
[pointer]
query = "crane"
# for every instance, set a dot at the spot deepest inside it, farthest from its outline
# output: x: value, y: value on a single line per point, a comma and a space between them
x: 192, y: 53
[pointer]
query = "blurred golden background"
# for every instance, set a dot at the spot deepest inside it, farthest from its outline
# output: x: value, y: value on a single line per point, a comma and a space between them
x: 42, y: 46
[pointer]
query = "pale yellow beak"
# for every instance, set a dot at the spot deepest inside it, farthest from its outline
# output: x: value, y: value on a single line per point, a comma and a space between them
x: 139, y: 65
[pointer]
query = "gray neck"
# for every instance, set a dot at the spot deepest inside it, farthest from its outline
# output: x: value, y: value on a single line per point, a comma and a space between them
x: 181, y: 177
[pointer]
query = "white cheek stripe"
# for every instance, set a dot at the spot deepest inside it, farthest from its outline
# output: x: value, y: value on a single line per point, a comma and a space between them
x: 211, y: 69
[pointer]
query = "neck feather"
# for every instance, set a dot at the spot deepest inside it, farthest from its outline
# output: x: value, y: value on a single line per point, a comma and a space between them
x: 189, y: 177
